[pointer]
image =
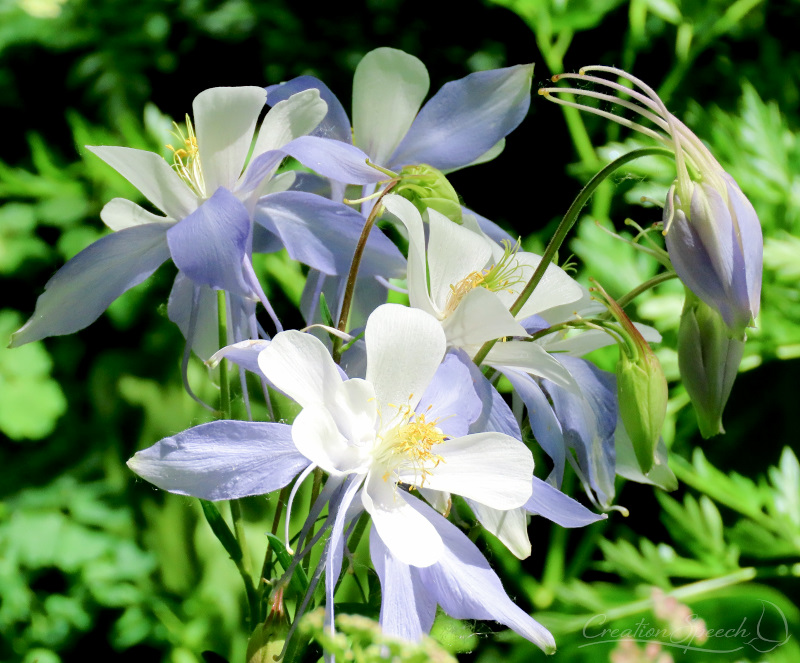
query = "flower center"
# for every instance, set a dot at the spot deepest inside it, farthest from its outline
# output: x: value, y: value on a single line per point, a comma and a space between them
x: 503, y: 275
x: 408, y: 448
x: 186, y: 159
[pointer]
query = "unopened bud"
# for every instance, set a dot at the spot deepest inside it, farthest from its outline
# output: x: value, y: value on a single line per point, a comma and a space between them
x: 642, y: 389
x: 708, y: 359
x: 715, y: 245
x: 425, y: 187
x: 267, y: 640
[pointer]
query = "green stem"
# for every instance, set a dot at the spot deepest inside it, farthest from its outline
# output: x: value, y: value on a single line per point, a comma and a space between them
x: 643, y: 287
x: 276, y: 520
x: 565, y: 226
x: 689, y: 592
x: 347, y: 300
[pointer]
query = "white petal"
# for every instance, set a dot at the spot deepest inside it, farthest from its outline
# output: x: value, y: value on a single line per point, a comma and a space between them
x: 405, y: 211
x: 480, y: 317
x: 490, y: 468
x: 453, y: 253
x: 225, y: 119
x: 317, y: 437
x: 149, y: 173
x: 532, y: 359
x: 301, y: 367
x: 355, y: 411
x: 404, y: 348
x: 297, y: 116
x: 388, y: 89
x: 511, y: 527
x: 120, y: 213
x: 409, y: 536
x: 555, y: 289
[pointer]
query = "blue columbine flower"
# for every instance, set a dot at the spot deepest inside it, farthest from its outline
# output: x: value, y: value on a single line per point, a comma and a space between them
x: 404, y: 429
x: 464, y: 123
x: 208, y: 198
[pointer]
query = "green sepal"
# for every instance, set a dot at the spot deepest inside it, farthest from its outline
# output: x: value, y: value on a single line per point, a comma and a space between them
x: 426, y: 187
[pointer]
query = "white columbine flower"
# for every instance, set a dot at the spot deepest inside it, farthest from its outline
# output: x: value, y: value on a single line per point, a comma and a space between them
x: 396, y: 428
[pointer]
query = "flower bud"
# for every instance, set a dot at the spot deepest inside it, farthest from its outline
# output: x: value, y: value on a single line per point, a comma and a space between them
x: 715, y: 244
x: 708, y: 359
x: 267, y: 640
x: 642, y: 389
x: 642, y: 392
x: 426, y: 187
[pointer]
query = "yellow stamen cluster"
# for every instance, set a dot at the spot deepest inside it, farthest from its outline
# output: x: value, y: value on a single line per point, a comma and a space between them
x: 186, y: 159
x: 503, y: 275
x: 410, y: 445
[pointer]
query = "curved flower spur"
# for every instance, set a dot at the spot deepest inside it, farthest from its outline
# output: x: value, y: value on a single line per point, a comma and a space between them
x: 713, y: 235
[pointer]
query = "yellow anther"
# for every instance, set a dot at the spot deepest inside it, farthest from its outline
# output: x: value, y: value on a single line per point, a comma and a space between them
x: 186, y: 160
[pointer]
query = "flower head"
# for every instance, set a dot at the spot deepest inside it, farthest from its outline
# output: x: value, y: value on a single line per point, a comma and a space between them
x: 404, y: 427
x: 712, y: 232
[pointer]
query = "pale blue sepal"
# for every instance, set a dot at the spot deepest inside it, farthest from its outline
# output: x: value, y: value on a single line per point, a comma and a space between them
x: 450, y: 399
x: 463, y: 583
x: 407, y: 609
x: 466, y: 118
x: 495, y: 415
x: 209, y: 245
x: 81, y: 290
x: 544, y: 423
x: 550, y: 502
x: 203, y: 328
x: 328, y: 157
x: 222, y: 460
x: 323, y: 234
x: 335, y: 124
x: 588, y: 422
x: 335, y: 547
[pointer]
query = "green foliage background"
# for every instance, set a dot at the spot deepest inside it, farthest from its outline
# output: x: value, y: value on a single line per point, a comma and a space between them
x: 93, y: 561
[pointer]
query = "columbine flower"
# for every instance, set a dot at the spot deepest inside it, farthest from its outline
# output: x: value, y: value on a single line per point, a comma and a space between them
x: 712, y: 232
x: 208, y: 201
x: 403, y: 429
x: 469, y: 282
x: 464, y: 123
x: 398, y: 427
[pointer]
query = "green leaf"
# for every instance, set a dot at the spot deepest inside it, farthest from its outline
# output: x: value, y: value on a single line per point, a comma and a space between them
x: 299, y: 580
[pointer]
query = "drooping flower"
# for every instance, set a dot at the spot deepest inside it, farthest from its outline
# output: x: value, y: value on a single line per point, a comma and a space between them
x: 464, y: 123
x: 207, y: 196
x: 712, y: 231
